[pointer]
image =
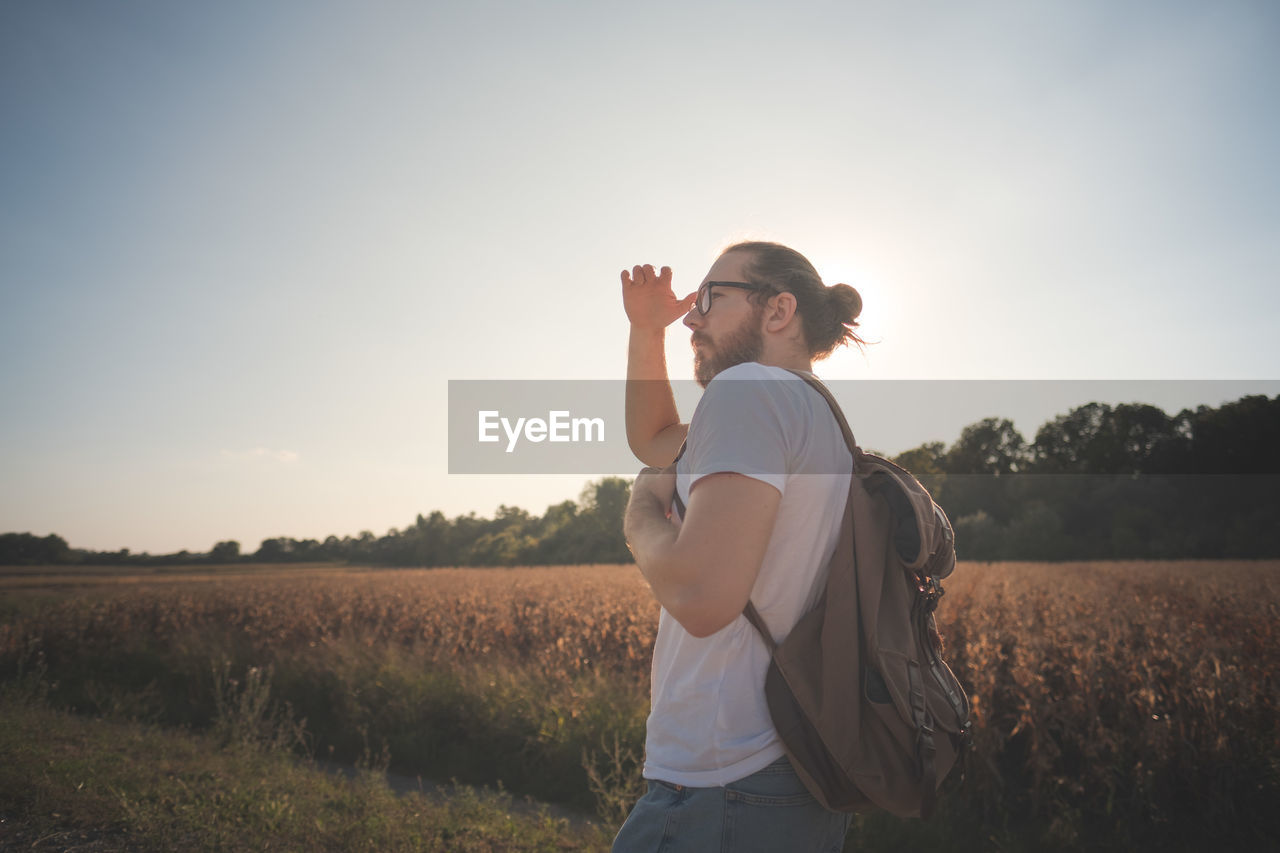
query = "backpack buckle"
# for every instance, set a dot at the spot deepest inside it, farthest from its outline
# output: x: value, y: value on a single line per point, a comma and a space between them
x: 929, y: 589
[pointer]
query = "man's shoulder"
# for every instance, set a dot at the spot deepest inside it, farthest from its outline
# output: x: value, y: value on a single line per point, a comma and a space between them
x: 753, y: 381
x: 752, y: 370
x: 746, y: 386
x: 752, y: 395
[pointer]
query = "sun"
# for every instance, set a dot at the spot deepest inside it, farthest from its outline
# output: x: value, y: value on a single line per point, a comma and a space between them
x: 881, y: 310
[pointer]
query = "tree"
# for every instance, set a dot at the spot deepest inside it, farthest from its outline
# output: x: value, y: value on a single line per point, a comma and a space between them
x: 991, y: 446
x: 273, y: 550
x: 926, y: 460
x: 1036, y: 534
x: 1237, y: 438
x: 978, y: 537
x: 604, y: 505
x: 977, y: 468
x: 926, y: 463
x: 1097, y: 439
x: 225, y: 552
x: 19, y: 549
x: 1138, y: 432
x: 607, y: 499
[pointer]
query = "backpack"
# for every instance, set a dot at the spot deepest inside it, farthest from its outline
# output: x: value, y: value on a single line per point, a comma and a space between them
x: 868, y: 712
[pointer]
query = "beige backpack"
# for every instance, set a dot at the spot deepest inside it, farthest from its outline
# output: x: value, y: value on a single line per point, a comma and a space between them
x: 869, y: 713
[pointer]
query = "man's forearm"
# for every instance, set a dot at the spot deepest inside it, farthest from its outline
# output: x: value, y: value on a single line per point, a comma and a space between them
x: 701, y: 570
x: 652, y: 538
x: 650, y: 403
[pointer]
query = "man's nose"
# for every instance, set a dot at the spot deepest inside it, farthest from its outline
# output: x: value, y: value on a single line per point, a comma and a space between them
x: 693, y: 319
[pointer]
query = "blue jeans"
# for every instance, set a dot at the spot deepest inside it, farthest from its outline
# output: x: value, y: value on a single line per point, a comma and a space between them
x: 769, y: 811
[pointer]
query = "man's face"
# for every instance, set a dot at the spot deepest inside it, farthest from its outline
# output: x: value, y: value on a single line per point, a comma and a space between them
x: 730, y: 332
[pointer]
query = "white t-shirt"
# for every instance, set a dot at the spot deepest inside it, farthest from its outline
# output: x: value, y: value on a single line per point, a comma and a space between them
x: 709, y: 724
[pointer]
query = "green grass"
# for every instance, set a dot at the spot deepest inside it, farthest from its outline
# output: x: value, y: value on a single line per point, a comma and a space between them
x: 138, y: 787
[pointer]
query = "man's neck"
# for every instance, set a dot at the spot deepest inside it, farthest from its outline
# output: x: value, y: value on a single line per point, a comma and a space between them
x: 788, y: 359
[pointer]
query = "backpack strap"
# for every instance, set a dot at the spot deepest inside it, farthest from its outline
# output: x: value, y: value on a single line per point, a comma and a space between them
x: 926, y: 748
x: 816, y: 384
x: 753, y: 616
x: 676, y: 494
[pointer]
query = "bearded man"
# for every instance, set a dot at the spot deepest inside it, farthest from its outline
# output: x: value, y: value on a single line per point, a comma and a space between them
x: 759, y: 491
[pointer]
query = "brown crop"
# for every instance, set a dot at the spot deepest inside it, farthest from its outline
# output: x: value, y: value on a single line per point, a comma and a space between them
x: 1097, y: 688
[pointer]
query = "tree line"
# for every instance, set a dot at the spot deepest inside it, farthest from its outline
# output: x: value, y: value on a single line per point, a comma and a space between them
x: 1122, y: 482
x: 588, y: 530
x: 1100, y: 482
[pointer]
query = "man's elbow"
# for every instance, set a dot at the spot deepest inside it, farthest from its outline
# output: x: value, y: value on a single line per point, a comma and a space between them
x: 657, y: 449
x: 648, y: 454
x: 702, y: 630
x: 702, y: 618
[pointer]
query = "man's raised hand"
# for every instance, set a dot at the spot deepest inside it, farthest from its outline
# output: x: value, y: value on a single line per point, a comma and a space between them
x: 649, y: 300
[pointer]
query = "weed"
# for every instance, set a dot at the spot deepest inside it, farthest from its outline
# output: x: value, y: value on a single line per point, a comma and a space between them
x: 29, y: 683
x: 246, y: 717
x: 613, y: 775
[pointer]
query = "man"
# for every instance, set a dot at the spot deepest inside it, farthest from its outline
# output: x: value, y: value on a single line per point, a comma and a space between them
x: 763, y: 481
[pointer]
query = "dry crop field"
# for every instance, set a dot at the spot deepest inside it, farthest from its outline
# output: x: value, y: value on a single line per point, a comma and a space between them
x: 1120, y: 705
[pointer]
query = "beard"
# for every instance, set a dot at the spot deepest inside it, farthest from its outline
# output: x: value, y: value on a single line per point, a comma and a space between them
x: 746, y: 343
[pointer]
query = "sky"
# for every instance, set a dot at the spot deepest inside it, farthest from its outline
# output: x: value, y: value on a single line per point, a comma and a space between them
x: 245, y: 246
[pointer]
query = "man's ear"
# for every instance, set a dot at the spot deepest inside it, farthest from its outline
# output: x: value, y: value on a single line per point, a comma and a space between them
x: 779, y: 312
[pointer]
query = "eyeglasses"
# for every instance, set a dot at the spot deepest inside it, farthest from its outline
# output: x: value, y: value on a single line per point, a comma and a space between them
x: 703, y: 303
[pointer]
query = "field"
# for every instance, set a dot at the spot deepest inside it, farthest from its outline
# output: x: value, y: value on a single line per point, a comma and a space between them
x: 1116, y: 705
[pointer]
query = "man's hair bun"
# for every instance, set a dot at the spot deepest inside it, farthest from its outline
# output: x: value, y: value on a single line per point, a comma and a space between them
x: 845, y: 301
x: 844, y: 304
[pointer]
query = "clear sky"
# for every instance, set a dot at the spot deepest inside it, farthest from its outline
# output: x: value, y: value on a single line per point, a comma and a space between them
x: 244, y: 245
